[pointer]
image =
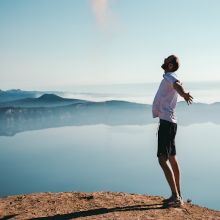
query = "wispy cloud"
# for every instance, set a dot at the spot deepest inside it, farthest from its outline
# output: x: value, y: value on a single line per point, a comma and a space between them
x: 106, y: 20
x: 100, y: 9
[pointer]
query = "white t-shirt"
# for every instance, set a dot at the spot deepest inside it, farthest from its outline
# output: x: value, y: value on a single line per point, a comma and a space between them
x: 166, y: 98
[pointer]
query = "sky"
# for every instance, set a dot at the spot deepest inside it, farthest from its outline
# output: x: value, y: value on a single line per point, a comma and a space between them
x: 55, y: 44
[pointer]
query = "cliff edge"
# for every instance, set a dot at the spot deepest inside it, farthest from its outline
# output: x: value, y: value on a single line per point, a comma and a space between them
x: 97, y: 205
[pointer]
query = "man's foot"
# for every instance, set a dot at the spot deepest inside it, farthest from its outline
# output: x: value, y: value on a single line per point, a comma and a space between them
x: 173, y: 201
x: 166, y: 200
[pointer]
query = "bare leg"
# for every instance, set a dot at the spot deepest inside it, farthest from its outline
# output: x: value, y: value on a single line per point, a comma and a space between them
x: 176, y: 170
x: 168, y: 173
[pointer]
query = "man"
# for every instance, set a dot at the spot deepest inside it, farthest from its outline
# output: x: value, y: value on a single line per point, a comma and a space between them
x: 164, y: 107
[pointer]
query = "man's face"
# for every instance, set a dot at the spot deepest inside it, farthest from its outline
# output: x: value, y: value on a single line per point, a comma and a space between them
x: 166, y: 62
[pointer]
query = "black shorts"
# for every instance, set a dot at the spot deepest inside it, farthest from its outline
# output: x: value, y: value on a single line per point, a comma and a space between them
x: 166, y: 139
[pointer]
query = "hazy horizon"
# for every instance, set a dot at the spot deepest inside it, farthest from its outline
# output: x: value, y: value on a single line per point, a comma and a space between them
x: 203, y: 92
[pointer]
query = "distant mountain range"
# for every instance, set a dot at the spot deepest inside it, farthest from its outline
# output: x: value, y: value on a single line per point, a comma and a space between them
x: 6, y: 96
x: 18, y: 119
x: 16, y: 94
x: 113, y: 113
x: 50, y: 110
x: 46, y: 100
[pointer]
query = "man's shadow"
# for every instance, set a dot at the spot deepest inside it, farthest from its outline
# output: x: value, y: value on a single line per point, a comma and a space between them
x: 94, y: 212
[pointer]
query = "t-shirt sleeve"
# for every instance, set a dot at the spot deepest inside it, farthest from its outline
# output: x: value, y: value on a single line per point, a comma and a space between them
x: 173, y: 78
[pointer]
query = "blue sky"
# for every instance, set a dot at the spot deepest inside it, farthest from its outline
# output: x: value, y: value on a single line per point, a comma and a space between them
x: 51, y: 44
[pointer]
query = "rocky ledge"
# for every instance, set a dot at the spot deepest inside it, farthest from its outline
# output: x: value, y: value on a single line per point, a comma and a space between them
x: 97, y: 205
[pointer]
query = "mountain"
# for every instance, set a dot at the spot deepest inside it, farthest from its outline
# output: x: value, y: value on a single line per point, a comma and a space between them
x: 16, y: 94
x: 46, y: 100
x: 14, y: 91
x: 112, y: 113
x: 197, y: 113
x: 11, y: 95
x: 18, y: 119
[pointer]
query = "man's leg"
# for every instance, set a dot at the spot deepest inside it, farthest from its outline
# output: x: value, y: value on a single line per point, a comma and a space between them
x: 168, y: 173
x: 176, y: 170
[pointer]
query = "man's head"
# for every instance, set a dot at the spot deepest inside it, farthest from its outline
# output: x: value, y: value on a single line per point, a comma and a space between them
x: 171, y: 64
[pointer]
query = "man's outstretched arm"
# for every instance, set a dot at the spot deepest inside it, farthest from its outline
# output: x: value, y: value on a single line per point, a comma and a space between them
x: 181, y: 91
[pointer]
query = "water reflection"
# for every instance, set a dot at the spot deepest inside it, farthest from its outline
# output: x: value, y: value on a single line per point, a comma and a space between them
x: 113, y: 113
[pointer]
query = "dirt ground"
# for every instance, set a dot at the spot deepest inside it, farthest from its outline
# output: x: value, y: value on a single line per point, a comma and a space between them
x: 97, y: 205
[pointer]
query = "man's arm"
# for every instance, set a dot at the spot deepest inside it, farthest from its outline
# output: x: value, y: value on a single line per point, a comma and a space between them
x: 181, y: 91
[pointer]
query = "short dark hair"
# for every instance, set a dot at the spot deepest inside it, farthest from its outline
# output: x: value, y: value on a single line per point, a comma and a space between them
x: 176, y: 63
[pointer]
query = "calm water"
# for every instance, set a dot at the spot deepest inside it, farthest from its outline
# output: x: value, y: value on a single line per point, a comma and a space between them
x: 120, y: 158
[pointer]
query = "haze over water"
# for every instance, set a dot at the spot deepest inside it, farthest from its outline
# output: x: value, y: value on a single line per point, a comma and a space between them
x: 203, y: 92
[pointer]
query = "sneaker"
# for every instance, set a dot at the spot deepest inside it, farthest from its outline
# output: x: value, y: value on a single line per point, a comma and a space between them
x: 181, y: 198
x: 173, y: 201
x: 166, y: 200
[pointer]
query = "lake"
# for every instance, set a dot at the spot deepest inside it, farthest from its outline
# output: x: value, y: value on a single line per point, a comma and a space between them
x: 110, y: 158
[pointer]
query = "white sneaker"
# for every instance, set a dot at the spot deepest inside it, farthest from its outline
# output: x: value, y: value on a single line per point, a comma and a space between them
x: 166, y: 200
x: 173, y: 201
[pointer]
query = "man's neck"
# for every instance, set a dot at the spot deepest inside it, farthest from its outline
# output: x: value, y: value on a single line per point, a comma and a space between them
x: 167, y: 71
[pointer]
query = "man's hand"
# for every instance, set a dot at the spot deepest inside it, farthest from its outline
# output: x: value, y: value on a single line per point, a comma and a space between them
x: 181, y: 91
x: 188, y: 98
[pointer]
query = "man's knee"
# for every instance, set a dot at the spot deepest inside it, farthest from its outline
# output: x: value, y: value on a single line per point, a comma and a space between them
x: 173, y: 159
x: 162, y: 161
